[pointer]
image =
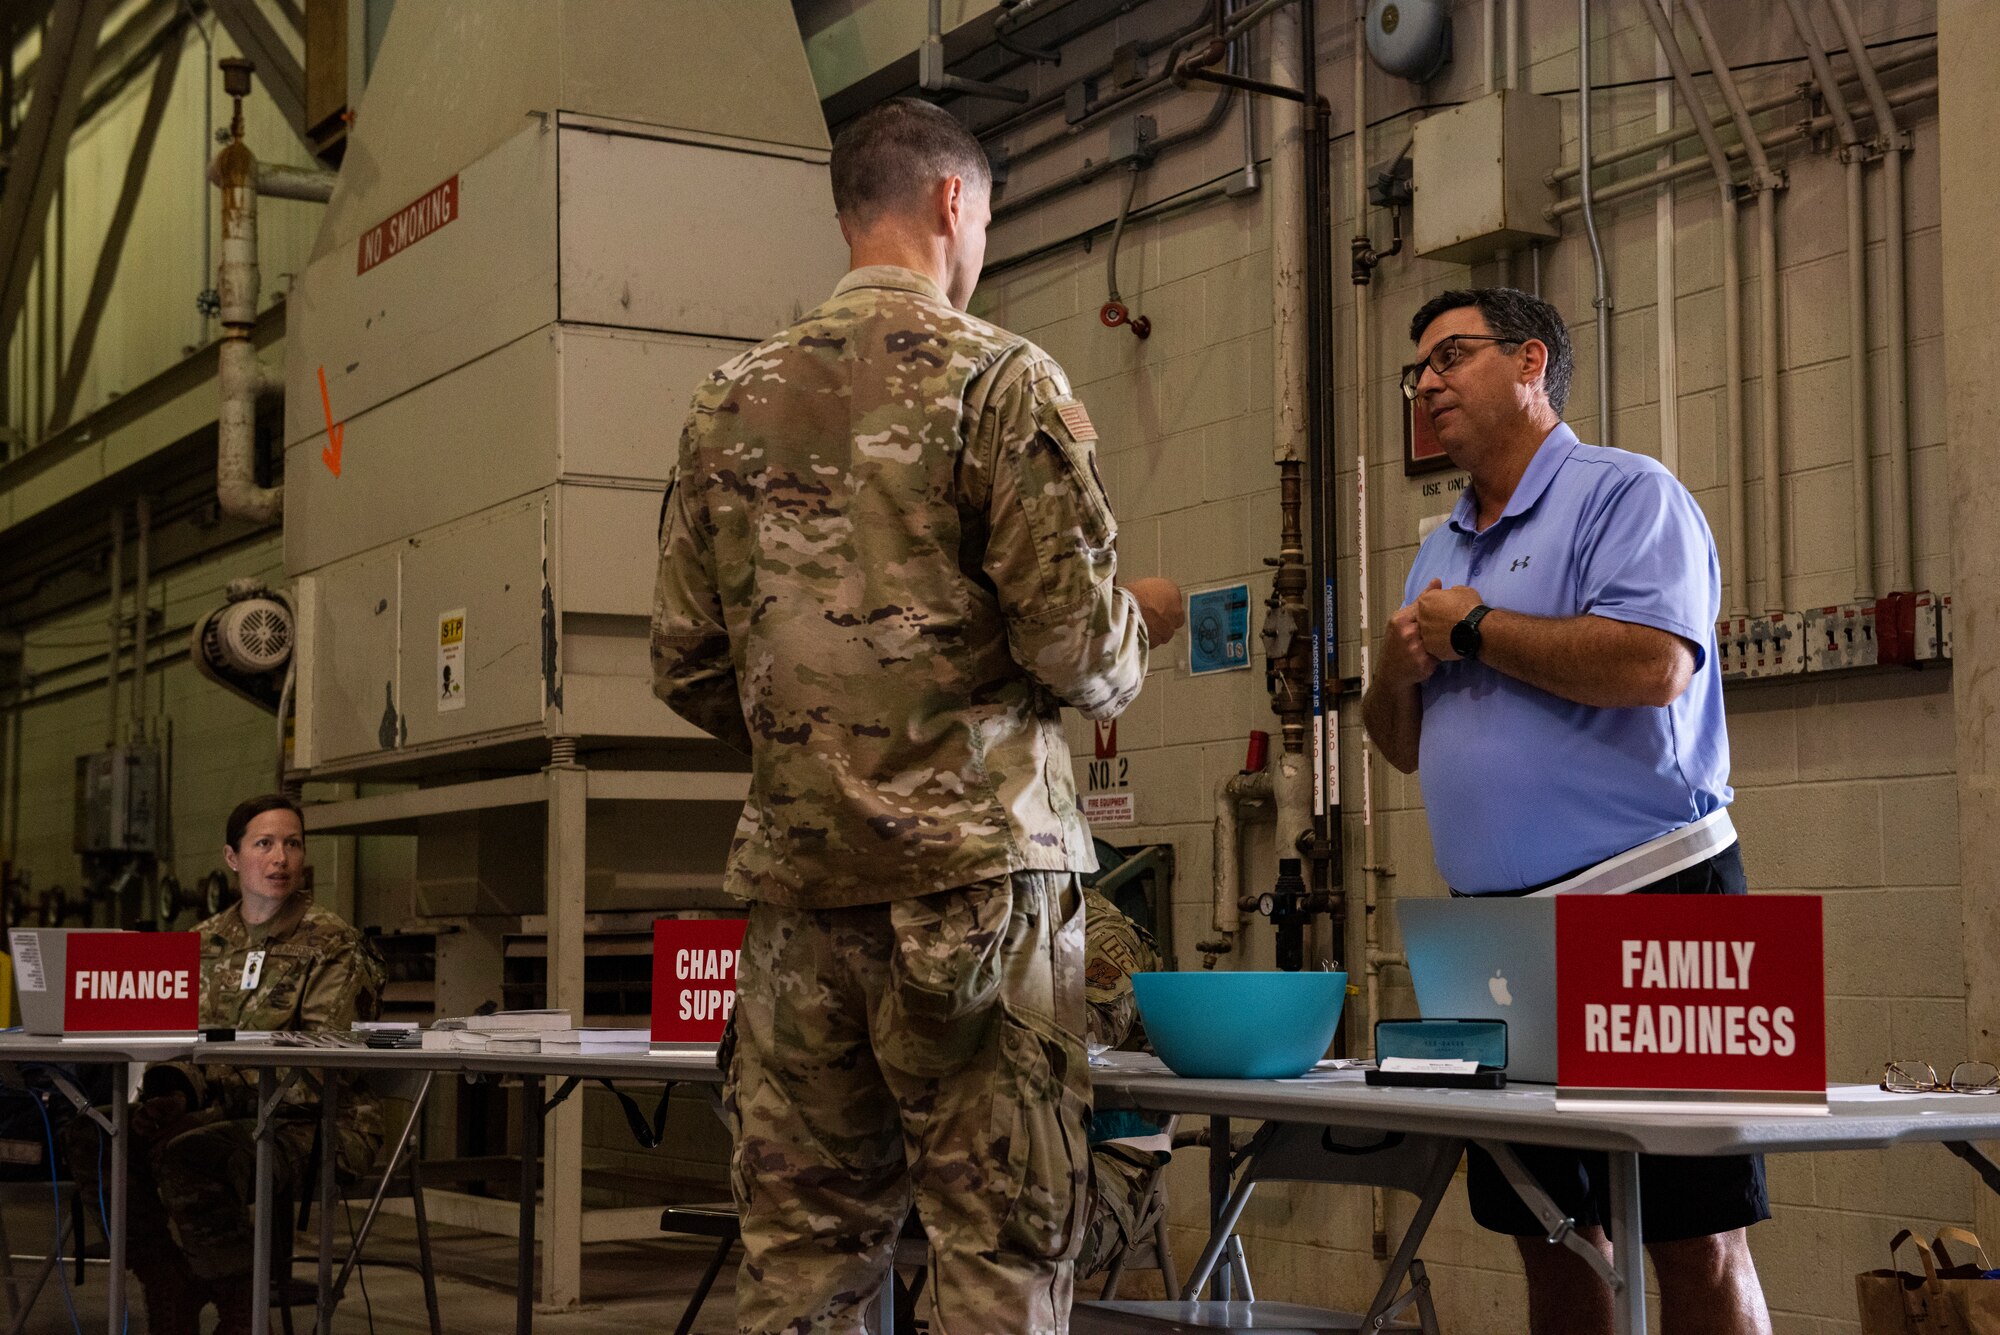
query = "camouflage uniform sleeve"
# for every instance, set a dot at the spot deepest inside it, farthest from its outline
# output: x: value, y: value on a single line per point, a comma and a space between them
x: 1052, y: 544
x: 692, y: 668
x: 345, y: 985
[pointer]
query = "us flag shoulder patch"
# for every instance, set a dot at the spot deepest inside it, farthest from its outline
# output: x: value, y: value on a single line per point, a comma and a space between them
x: 1077, y: 419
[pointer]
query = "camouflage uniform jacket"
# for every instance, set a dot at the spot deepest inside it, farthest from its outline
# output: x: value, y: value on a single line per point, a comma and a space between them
x: 886, y: 562
x: 318, y: 975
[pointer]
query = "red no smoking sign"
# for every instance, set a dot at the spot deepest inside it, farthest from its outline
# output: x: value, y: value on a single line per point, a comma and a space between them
x: 694, y: 977
x: 1678, y: 999
x: 132, y: 982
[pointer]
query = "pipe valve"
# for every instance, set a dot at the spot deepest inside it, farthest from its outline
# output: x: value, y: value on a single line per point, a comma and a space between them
x: 1113, y: 314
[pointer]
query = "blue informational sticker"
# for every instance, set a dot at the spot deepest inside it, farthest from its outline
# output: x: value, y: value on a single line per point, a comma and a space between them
x: 1219, y: 630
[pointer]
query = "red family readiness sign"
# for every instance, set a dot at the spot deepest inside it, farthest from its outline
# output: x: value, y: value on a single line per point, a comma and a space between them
x: 132, y: 982
x: 694, y: 977
x: 1673, y: 1001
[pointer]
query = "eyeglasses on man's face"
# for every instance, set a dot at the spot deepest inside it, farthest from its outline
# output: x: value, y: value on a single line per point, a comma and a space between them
x: 1446, y: 355
x: 1911, y: 1077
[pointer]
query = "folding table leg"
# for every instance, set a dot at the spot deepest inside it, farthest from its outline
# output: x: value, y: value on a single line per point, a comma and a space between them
x: 329, y: 1142
x: 531, y: 1151
x: 262, y: 1215
x: 1628, y: 1255
x: 120, y: 1157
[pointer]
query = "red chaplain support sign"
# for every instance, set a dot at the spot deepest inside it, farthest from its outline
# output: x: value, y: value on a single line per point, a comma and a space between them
x: 132, y: 982
x: 1691, y: 998
x: 694, y: 977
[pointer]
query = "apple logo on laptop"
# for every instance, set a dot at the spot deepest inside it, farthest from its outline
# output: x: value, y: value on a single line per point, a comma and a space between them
x: 1497, y: 985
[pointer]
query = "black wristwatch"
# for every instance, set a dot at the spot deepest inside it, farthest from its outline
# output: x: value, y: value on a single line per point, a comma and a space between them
x: 1465, y: 635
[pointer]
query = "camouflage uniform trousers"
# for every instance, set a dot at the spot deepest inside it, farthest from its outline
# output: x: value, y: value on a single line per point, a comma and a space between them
x: 926, y: 1051
x: 195, y: 1183
x: 1121, y: 1213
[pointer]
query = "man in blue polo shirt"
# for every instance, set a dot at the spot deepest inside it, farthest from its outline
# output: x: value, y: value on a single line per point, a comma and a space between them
x: 1552, y: 676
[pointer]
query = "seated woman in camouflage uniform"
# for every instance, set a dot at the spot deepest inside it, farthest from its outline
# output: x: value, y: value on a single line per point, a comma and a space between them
x: 273, y: 961
x: 1126, y: 1148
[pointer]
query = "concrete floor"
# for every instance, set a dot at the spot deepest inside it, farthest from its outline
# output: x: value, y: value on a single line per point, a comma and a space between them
x: 629, y: 1285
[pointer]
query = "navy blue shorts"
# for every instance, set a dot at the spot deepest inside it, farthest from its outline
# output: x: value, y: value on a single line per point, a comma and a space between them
x: 1679, y: 1198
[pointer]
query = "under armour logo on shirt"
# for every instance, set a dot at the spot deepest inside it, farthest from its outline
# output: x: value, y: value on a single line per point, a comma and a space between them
x: 1520, y: 563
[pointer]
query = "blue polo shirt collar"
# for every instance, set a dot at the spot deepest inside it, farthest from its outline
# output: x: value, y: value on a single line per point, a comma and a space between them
x: 1550, y: 455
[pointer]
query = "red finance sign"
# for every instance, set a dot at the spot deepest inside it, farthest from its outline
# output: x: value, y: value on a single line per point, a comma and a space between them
x: 694, y: 977
x: 1691, y: 998
x: 132, y: 982
x: 407, y: 226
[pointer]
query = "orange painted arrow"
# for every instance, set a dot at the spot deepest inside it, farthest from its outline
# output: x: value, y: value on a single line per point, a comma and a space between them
x: 331, y: 454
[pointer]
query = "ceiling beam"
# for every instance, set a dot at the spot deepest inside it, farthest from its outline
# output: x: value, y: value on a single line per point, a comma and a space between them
x: 114, y: 236
x: 69, y: 44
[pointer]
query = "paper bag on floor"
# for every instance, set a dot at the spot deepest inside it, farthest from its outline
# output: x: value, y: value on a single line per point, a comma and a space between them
x: 1948, y: 1298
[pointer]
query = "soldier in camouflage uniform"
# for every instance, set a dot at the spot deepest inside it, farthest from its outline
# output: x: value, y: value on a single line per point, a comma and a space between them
x: 272, y: 961
x: 886, y: 563
x: 1126, y: 1148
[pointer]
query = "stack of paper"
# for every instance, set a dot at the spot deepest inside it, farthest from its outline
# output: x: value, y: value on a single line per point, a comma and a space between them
x: 573, y: 1041
x: 497, y: 1032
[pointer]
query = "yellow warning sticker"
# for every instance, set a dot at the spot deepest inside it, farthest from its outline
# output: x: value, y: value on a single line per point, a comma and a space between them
x: 1077, y: 419
x: 451, y: 660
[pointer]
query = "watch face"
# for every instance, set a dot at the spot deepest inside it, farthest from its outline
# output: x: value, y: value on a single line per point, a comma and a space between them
x: 1465, y: 640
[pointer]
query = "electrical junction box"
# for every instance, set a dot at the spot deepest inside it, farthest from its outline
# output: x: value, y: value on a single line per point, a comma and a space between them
x: 1481, y: 176
x: 1777, y: 645
x: 1842, y: 636
x: 118, y: 800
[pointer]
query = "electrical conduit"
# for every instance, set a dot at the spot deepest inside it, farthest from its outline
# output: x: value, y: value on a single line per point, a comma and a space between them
x: 1732, y: 315
x: 1769, y: 431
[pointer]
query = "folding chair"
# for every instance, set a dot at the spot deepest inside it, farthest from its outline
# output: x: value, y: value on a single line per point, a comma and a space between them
x: 1420, y: 1165
x: 401, y: 1175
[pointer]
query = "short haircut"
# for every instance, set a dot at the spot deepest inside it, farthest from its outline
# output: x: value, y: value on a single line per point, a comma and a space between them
x: 1516, y: 316
x: 251, y: 808
x: 885, y: 159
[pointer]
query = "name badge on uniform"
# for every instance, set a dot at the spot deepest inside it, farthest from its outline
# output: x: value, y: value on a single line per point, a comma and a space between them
x: 253, y: 969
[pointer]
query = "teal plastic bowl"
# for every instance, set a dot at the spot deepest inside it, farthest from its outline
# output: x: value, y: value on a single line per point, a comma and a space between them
x: 1243, y: 1025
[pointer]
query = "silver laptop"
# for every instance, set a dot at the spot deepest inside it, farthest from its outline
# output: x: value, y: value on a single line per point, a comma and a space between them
x: 1489, y: 959
x: 41, y: 955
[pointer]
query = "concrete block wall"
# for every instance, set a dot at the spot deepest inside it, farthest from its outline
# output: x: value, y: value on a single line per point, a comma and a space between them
x: 218, y: 748
x: 1845, y: 787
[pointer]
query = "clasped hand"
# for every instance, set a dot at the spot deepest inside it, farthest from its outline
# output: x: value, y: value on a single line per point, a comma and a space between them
x: 1419, y: 634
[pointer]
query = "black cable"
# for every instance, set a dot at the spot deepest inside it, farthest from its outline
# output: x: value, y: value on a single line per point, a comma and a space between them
x: 360, y: 1270
x: 1772, y: 63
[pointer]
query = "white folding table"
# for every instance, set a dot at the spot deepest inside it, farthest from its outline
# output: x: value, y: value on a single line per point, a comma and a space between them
x: 1862, y: 1117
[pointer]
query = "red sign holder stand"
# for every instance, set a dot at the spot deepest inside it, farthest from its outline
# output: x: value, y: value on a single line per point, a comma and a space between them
x: 694, y: 977
x: 132, y: 983
x: 1690, y: 1003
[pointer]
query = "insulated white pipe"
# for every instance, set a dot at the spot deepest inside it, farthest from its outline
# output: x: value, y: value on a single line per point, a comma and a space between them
x: 1602, y: 300
x: 1890, y: 140
x: 282, y: 182
x: 1488, y: 45
x: 1288, y: 244
x: 1732, y: 292
x: 1770, y: 439
x: 1371, y: 859
x: 1235, y: 797
x: 1862, y: 520
x: 1513, y: 43
x: 234, y: 171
